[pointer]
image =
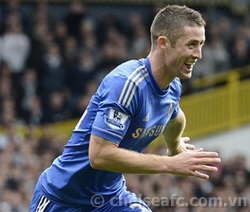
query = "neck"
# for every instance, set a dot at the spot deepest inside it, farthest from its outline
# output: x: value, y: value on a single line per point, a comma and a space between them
x: 159, y: 70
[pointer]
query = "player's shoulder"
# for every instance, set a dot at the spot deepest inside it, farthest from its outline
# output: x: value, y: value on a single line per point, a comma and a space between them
x: 127, y: 67
x: 176, y: 81
x: 125, y: 70
x: 176, y: 86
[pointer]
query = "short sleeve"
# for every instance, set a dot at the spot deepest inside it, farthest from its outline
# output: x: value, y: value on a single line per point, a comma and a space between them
x: 113, y: 118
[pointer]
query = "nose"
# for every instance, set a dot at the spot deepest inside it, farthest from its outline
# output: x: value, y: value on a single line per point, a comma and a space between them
x: 197, y: 52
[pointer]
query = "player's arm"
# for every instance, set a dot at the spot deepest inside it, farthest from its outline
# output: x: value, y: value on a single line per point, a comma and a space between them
x: 106, y: 155
x: 173, y: 132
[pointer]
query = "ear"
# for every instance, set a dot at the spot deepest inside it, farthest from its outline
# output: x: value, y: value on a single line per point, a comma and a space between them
x: 163, y: 42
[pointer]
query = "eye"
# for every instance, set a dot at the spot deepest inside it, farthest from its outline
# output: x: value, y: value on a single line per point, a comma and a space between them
x: 191, y: 45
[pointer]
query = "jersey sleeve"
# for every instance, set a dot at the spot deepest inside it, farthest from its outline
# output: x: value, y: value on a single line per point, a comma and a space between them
x: 175, y: 111
x: 113, y: 116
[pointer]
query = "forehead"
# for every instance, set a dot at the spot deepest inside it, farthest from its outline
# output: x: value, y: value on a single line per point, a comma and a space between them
x: 193, y: 33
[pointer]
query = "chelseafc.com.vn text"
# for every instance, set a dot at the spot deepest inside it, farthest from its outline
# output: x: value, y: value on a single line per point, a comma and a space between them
x: 176, y: 201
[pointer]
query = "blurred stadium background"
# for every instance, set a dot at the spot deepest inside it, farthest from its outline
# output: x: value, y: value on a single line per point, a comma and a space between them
x: 54, y: 53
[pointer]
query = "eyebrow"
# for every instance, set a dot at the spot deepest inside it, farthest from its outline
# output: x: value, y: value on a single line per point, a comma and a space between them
x: 196, y: 41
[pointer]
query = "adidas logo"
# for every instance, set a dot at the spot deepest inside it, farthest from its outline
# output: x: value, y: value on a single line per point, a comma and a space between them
x: 146, y: 118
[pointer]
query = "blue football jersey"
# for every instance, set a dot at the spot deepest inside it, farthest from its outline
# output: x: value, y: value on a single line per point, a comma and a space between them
x: 129, y: 109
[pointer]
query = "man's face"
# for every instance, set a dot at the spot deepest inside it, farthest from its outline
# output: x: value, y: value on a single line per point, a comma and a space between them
x: 181, y: 57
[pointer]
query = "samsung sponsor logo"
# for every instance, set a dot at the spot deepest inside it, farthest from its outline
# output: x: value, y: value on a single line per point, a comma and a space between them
x: 154, y: 131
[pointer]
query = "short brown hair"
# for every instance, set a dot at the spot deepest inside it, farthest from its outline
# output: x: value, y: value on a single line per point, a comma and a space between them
x: 171, y: 20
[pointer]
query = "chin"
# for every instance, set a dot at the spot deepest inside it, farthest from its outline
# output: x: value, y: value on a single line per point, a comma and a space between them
x: 186, y: 76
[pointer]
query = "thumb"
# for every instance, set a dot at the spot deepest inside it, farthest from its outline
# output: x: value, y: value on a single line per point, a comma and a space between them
x: 186, y: 139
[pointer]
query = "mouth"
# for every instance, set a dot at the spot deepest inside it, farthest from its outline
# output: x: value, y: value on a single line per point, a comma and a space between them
x: 190, y: 65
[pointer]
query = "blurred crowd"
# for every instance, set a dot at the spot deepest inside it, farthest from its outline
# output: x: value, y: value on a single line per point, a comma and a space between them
x: 50, y: 67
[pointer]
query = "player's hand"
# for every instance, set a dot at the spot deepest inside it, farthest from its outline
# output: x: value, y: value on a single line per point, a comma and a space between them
x: 182, y: 146
x: 196, y: 163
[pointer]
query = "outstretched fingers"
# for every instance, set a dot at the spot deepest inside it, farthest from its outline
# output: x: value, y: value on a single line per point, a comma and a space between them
x: 207, y: 157
x: 201, y: 170
x: 198, y: 174
x: 205, y: 168
x: 188, y: 145
x: 204, y: 162
x: 196, y: 163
